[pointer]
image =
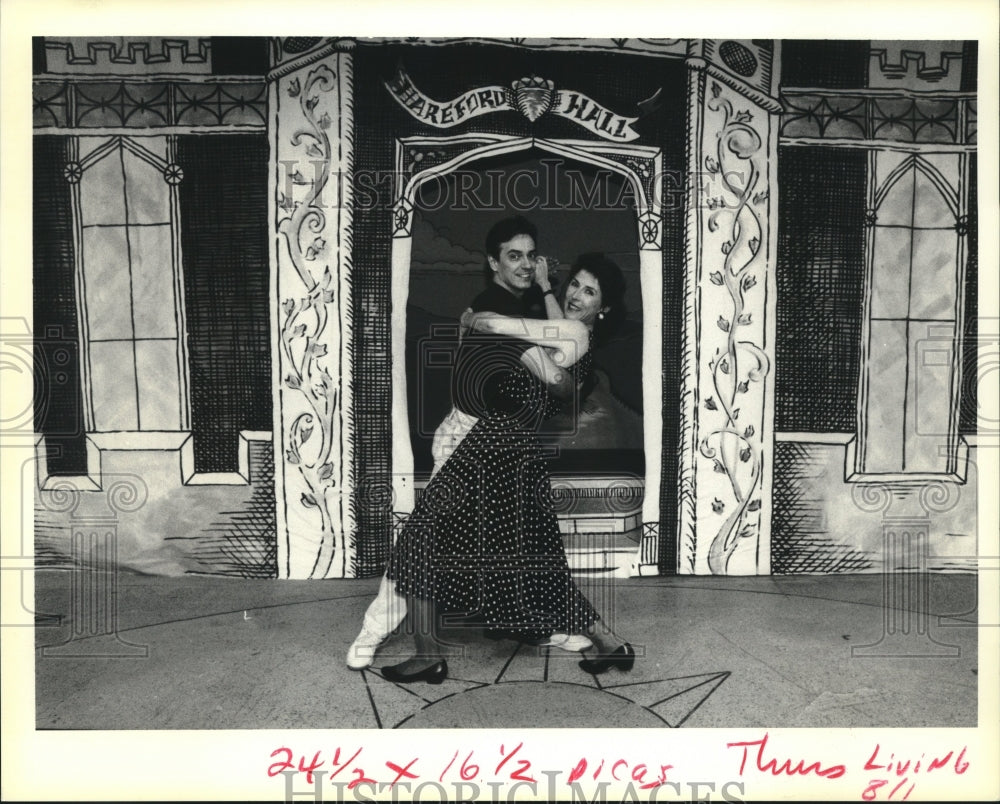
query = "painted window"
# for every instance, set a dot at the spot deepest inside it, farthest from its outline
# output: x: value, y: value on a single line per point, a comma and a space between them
x: 127, y: 254
x: 910, y: 383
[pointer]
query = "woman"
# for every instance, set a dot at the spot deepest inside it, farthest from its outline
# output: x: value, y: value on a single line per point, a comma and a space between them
x: 481, y: 539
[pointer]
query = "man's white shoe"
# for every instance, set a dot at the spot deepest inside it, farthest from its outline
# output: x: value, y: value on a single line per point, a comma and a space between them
x: 362, y: 651
x: 570, y: 642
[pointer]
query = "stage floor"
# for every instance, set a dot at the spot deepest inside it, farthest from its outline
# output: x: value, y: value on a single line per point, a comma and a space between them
x: 802, y: 651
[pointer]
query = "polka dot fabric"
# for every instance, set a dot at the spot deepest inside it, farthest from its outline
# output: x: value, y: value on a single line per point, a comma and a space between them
x: 483, y: 538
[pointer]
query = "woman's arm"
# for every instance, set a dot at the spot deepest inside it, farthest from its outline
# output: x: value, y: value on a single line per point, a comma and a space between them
x: 552, y: 308
x: 541, y: 359
x: 566, y: 336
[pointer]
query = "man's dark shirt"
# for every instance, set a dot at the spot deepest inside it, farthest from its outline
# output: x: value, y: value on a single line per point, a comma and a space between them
x: 485, y: 360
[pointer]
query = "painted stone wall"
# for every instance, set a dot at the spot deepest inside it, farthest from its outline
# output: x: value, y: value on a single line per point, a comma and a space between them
x: 821, y: 524
x: 141, y: 520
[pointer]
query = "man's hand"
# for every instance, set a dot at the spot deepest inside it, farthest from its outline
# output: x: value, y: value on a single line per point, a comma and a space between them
x: 465, y: 323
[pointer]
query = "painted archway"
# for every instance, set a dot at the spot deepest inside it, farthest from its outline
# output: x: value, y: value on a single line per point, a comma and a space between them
x: 641, y: 167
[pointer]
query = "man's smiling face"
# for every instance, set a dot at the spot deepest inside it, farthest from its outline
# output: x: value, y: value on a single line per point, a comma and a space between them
x: 515, y: 268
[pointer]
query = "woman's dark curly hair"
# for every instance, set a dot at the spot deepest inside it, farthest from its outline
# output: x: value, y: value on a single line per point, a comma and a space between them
x: 609, y: 276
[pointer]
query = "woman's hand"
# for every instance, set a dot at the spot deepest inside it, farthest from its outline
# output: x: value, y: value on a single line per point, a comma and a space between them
x: 542, y: 273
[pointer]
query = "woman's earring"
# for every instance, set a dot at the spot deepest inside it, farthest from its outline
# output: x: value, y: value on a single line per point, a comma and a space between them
x: 600, y: 316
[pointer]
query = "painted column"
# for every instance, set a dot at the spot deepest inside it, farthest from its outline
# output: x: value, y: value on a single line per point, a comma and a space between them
x: 651, y: 277
x: 311, y: 123
x: 728, y: 393
x: 403, y: 492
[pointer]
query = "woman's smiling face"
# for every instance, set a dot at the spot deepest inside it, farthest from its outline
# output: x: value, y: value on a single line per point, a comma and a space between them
x: 583, y: 299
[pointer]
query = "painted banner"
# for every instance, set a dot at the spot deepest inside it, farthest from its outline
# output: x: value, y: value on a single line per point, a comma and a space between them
x: 532, y: 96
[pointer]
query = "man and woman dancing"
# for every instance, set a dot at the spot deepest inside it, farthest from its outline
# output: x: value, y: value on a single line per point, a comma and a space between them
x: 482, y: 539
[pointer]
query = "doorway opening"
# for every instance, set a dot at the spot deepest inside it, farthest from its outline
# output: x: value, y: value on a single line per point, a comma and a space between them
x: 599, y: 454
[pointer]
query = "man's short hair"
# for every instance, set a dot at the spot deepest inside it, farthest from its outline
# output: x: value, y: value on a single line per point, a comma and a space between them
x: 503, y: 231
x: 508, y: 229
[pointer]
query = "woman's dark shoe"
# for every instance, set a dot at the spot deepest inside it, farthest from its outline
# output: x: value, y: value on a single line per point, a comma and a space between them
x: 434, y: 674
x: 622, y: 659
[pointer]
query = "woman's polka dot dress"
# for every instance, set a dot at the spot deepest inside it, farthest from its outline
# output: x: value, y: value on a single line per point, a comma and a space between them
x: 483, y: 539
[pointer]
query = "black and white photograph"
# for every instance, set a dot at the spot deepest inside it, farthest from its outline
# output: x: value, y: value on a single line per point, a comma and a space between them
x: 619, y: 413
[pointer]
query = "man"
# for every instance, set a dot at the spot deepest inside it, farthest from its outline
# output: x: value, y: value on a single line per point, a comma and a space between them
x: 483, y: 362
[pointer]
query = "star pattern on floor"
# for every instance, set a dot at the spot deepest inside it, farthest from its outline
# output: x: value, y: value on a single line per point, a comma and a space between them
x: 522, y: 686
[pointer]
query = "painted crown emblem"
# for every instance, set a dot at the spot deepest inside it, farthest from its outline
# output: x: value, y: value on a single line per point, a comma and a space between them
x: 533, y: 96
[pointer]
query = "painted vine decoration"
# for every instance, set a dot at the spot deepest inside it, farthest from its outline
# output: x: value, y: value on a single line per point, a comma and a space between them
x: 732, y: 447
x: 305, y: 322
